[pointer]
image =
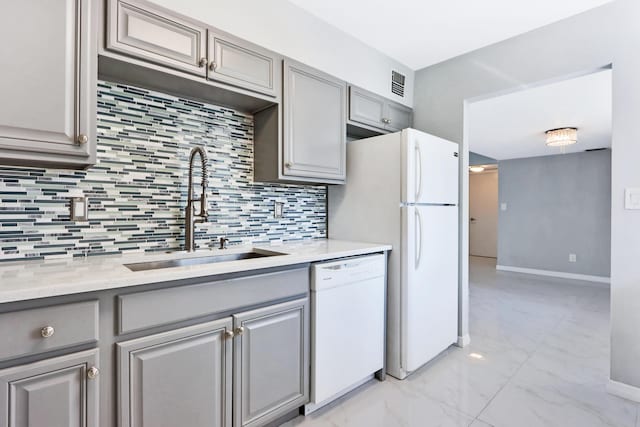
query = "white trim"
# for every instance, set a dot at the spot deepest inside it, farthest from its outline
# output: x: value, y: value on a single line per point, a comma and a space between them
x: 563, y: 275
x: 623, y: 390
x: 463, y: 341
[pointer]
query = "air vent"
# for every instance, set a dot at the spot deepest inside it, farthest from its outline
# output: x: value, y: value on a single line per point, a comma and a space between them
x: 397, y: 83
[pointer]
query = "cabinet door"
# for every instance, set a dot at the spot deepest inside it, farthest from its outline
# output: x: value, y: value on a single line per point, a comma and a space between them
x: 271, y: 362
x: 366, y: 108
x: 315, y: 128
x: 48, y: 85
x: 148, y: 32
x: 177, y: 378
x: 398, y: 116
x: 242, y: 64
x: 57, y: 392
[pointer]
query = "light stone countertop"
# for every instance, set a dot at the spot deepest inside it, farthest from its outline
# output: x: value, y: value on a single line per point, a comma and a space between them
x: 27, y: 280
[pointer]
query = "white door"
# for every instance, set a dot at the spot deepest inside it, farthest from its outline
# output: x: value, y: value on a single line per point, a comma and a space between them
x: 430, y: 166
x: 483, y: 214
x: 430, y: 282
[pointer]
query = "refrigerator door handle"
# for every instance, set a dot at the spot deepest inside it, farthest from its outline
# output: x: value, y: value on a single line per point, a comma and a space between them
x: 418, y: 172
x: 418, y: 237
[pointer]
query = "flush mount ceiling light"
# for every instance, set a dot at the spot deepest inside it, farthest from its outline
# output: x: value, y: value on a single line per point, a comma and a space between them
x: 476, y: 169
x: 561, y: 137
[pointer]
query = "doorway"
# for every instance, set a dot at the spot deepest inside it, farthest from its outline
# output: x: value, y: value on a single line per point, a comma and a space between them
x: 483, y: 211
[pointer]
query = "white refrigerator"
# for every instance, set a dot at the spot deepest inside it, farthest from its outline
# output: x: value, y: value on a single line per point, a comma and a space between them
x: 402, y: 189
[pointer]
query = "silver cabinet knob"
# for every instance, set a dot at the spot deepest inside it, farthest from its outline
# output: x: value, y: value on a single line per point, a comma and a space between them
x: 47, y: 331
x: 239, y: 330
x: 92, y: 372
x: 213, y: 65
x: 202, y: 62
x: 386, y: 121
x: 288, y: 165
x: 83, y: 139
x: 229, y: 334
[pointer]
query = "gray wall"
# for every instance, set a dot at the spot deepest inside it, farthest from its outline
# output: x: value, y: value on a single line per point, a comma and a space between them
x: 556, y: 205
x: 479, y: 159
x: 605, y: 35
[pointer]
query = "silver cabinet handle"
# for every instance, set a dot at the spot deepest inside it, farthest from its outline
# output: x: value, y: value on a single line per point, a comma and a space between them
x: 229, y: 334
x: 202, y: 62
x: 213, y: 65
x: 239, y: 330
x: 47, y: 331
x: 386, y: 121
x: 82, y: 139
x: 92, y: 372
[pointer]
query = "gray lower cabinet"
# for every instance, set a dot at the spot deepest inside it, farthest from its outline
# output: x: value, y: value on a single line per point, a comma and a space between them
x: 177, y: 378
x: 140, y: 29
x: 57, y: 392
x: 270, y: 362
x: 48, y: 85
x: 377, y: 112
x: 314, y: 126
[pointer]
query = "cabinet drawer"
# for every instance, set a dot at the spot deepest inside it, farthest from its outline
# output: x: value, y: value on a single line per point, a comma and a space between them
x: 26, y: 332
x: 141, y: 30
x: 142, y: 310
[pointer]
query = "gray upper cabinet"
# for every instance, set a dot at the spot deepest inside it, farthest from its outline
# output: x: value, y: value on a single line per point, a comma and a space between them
x: 61, y: 391
x: 271, y: 362
x: 141, y: 30
x: 366, y: 108
x: 243, y: 64
x: 314, y: 143
x: 177, y: 378
x: 48, y: 85
x: 397, y: 117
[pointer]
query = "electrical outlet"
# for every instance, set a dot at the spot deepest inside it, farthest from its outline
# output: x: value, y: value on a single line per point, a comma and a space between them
x: 79, y: 209
x: 572, y: 258
x: 278, y: 209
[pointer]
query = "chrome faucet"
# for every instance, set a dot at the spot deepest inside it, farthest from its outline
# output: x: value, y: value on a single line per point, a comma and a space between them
x: 191, y: 217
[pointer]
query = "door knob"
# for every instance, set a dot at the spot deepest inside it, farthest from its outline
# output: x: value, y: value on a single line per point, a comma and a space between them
x: 229, y: 334
x: 202, y: 62
x: 83, y: 139
x: 239, y: 330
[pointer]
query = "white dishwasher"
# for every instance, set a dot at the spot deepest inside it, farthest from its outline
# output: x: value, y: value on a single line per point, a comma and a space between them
x: 347, y: 326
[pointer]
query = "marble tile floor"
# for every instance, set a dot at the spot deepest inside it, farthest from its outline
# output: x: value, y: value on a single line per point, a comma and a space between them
x: 539, y: 356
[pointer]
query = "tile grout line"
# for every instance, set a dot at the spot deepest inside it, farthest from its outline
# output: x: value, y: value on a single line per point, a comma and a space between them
x: 477, y: 418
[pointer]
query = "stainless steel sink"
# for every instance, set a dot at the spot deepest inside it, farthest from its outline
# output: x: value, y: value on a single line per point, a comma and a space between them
x: 181, y: 262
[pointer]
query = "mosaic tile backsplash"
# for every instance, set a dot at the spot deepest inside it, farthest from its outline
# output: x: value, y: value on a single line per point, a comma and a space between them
x: 137, y: 190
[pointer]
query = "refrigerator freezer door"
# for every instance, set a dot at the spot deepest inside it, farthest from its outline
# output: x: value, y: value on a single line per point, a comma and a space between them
x: 430, y: 166
x: 429, y: 282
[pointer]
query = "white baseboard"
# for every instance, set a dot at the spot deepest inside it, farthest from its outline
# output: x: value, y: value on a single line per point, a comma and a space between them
x: 463, y: 341
x: 623, y: 390
x: 560, y: 274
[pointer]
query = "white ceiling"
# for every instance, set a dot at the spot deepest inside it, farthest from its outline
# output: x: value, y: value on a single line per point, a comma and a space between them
x: 512, y: 126
x: 419, y: 33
